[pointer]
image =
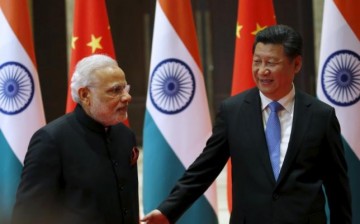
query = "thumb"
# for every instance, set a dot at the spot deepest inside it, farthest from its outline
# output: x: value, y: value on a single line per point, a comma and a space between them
x: 146, y: 218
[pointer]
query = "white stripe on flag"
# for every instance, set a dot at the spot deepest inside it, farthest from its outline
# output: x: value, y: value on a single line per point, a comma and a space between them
x: 337, y: 35
x: 187, y: 131
x: 169, y: 45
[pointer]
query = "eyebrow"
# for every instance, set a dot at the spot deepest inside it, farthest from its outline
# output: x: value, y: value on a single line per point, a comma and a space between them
x: 117, y: 85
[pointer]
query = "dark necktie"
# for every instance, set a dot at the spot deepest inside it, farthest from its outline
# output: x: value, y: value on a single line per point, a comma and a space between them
x: 273, y: 137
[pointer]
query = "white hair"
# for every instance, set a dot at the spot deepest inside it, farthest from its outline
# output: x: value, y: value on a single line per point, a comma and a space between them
x: 84, y: 72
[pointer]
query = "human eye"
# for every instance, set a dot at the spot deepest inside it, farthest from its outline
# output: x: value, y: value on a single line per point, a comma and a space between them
x: 118, y: 90
x: 115, y: 90
x: 256, y: 61
x: 271, y: 63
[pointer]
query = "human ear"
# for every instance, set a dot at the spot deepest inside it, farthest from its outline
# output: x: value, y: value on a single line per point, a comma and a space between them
x: 84, y: 95
x: 298, y: 63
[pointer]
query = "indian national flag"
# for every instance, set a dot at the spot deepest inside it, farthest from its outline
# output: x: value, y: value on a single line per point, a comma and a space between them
x: 21, y: 108
x: 339, y: 80
x: 177, y: 119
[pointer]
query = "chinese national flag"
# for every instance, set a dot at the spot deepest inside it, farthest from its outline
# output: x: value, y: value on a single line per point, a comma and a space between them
x: 253, y: 16
x: 91, y: 35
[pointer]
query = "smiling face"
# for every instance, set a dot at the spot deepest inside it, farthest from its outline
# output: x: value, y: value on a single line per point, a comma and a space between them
x: 273, y: 72
x: 107, y: 99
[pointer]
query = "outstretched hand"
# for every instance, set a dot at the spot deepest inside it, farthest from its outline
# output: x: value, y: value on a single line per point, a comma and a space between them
x: 155, y: 217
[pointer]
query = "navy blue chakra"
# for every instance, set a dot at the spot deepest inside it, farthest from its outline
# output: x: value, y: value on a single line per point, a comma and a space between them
x: 16, y: 88
x: 172, y: 86
x: 340, y: 78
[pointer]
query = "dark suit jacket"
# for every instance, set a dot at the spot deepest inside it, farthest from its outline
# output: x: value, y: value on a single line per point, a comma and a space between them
x: 75, y: 172
x: 314, y: 159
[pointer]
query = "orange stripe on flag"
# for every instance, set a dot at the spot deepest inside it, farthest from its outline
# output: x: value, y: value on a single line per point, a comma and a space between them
x: 347, y: 10
x: 184, y: 24
x: 17, y: 14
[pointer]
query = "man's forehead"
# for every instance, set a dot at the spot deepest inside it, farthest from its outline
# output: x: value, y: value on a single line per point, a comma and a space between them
x: 269, y: 50
x: 110, y: 78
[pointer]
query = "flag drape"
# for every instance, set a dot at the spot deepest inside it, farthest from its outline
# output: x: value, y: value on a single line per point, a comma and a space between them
x: 253, y: 16
x: 21, y: 107
x: 339, y: 81
x: 177, y: 119
x: 91, y: 35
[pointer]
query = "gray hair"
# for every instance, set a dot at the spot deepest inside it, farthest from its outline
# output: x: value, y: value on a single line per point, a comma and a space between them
x: 84, y: 72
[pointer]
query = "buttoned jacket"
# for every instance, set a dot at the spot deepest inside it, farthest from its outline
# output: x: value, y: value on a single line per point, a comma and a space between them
x: 314, y: 166
x: 76, y: 172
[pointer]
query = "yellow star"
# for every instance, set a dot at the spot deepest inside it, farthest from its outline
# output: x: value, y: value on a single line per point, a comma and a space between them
x: 238, y: 30
x: 73, y: 40
x: 258, y: 29
x: 94, y: 43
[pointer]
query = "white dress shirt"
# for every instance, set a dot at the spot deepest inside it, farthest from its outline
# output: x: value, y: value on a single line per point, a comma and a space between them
x: 285, y: 116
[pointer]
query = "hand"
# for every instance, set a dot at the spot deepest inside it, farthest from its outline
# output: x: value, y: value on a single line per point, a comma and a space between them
x: 155, y: 217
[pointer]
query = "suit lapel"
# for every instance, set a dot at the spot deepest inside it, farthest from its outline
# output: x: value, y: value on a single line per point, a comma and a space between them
x: 302, y: 116
x: 254, y: 120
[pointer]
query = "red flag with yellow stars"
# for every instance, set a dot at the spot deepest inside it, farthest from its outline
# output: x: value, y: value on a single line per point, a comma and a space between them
x: 253, y: 16
x: 91, y: 35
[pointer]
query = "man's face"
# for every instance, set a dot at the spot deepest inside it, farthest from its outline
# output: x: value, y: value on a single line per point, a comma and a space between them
x: 273, y: 72
x: 107, y: 98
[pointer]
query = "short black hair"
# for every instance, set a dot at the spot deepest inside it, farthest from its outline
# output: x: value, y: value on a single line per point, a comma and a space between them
x: 284, y: 35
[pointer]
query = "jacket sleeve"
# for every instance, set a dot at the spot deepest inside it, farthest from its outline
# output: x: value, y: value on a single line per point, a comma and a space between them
x: 200, y: 174
x: 39, y: 185
x: 336, y: 182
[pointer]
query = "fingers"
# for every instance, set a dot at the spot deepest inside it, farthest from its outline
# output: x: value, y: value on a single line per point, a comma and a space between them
x: 146, y: 218
x: 155, y: 217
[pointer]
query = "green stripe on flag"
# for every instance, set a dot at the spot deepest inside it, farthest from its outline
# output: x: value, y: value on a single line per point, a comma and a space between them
x: 354, y: 176
x: 162, y: 169
x: 10, y: 171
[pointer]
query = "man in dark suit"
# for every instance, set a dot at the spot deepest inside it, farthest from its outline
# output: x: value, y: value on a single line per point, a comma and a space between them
x: 282, y: 181
x: 81, y: 168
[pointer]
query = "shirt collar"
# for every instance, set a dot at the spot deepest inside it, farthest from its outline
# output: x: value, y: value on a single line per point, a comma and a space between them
x: 287, y: 101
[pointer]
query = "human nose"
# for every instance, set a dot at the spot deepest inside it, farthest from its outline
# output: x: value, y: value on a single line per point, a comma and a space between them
x: 126, y: 97
x: 263, y: 69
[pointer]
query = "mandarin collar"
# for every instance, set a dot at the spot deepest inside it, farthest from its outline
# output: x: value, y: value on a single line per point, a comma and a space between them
x: 88, y: 121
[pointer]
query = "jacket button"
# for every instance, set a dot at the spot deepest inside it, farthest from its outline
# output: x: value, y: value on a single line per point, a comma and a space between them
x: 126, y: 211
x: 121, y: 187
x: 115, y: 163
x: 276, y: 196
